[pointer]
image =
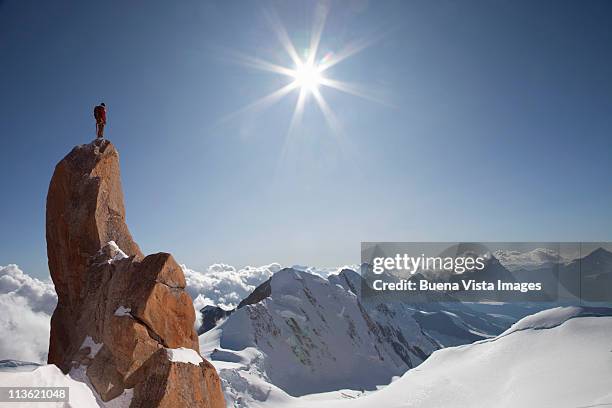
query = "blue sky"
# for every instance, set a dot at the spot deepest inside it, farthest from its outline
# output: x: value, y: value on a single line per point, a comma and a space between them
x: 496, y: 125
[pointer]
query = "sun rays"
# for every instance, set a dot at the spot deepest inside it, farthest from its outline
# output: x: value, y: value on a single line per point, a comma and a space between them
x: 307, y: 74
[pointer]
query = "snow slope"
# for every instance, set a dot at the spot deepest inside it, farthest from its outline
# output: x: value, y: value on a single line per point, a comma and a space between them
x: 47, y: 376
x: 557, y: 358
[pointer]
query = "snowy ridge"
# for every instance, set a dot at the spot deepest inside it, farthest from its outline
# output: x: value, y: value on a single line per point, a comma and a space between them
x: 536, y: 258
x: 517, y: 370
x: 554, y: 317
x: 315, y: 336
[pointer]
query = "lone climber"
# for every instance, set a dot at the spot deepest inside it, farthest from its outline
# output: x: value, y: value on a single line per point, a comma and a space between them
x: 100, y: 116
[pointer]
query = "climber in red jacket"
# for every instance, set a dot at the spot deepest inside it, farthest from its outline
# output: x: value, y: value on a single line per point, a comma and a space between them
x: 100, y: 116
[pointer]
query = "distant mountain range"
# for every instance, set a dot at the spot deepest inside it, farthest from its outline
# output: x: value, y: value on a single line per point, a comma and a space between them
x: 528, y: 260
x: 588, y: 278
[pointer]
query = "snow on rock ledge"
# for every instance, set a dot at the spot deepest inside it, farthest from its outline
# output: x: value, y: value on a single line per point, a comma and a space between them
x: 93, y: 346
x: 184, y: 355
x: 123, y: 311
x: 117, y: 253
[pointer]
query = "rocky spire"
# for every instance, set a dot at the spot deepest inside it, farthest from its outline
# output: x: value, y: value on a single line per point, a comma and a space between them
x: 123, y: 321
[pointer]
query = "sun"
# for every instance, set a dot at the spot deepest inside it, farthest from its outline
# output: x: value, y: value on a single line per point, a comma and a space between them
x: 307, y: 77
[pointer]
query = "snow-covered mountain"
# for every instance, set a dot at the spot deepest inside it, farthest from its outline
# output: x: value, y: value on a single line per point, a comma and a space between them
x: 303, y: 334
x: 528, y: 260
x: 595, y: 272
x: 449, y: 324
x: 310, y: 335
x: 588, y: 278
x: 556, y: 358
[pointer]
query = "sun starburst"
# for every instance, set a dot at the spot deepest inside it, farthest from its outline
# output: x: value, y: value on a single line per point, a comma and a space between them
x: 308, y: 74
x: 307, y: 77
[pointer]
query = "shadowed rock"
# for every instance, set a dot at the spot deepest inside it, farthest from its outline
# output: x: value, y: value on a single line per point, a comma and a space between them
x: 211, y: 315
x: 118, y: 312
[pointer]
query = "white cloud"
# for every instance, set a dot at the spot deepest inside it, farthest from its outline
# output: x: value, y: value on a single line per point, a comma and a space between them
x: 27, y: 304
x: 40, y: 295
x: 223, y: 285
x: 25, y: 333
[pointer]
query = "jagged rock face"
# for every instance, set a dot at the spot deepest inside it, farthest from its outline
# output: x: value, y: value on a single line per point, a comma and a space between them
x: 85, y: 210
x: 172, y: 385
x: 118, y: 312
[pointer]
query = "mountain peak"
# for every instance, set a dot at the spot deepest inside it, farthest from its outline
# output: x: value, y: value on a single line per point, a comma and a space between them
x: 120, y: 315
x: 85, y: 210
x: 600, y: 252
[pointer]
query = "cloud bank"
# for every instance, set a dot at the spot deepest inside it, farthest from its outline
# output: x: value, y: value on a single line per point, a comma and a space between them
x: 27, y: 304
x: 223, y: 285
